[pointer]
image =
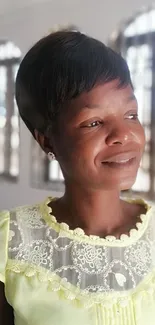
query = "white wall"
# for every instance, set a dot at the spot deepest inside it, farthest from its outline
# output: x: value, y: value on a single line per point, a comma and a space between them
x: 24, y: 22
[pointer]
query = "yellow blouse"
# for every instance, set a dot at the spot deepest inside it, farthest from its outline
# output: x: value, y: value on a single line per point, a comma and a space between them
x: 57, y: 276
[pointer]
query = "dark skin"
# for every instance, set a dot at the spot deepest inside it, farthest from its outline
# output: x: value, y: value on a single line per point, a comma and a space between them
x: 93, y: 128
x: 6, y: 312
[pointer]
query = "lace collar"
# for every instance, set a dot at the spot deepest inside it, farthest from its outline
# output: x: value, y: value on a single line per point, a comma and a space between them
x: 79, y: 234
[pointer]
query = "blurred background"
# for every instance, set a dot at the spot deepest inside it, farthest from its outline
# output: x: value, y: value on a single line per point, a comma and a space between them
x: 128, y: 27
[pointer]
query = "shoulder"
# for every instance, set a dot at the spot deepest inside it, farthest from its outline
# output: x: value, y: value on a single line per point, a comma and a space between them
x: 21, y: 222
x: 4, y: 218
x: 4, y: 235
x: 26, y: 227
x: 27, y: 214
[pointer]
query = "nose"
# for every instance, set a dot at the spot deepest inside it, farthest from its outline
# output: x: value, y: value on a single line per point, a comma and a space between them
x: 119, y: 135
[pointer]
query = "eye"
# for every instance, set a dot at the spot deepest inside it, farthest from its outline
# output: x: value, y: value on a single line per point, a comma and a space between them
x: 133, y: 116
x: 93, y: 124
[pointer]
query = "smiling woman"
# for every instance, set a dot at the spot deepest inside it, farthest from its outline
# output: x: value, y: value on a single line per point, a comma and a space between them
x: 86, y: 257
x: 96, y: 126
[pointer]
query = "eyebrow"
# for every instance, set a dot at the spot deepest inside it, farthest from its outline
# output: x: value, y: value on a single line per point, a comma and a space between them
x: 92, y: 106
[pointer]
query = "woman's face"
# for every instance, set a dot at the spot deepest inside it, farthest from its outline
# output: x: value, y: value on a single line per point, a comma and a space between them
x: 100, y: 140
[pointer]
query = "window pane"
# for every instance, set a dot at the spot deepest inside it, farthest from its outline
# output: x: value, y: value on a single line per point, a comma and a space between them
x: 8, y: 51
x: 15, y: 70
x: 9, y: 119
x: 1, y: 151
x: 14, y: 164
x: 143, y: 181
x: 60, y: 175
x: 146, y: 161
x: 54, y: 171
x: 138, y: 58
x: 142, y: 24
x: 3, y: 83
x: 2, y: 115
x: 14, y: 140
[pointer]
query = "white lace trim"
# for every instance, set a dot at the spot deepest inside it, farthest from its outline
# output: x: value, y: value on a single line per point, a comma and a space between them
x: 89, y: 296
x: 79, y: 234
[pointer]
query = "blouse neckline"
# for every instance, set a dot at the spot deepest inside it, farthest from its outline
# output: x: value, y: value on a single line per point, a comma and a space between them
x: 79, y: 234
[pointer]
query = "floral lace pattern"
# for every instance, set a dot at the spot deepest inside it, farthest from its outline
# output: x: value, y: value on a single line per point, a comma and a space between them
x: 38, y: 253
x: 35, y: 246
x: 139, y: 257
x: 31, y: 220
x: 90, y: 259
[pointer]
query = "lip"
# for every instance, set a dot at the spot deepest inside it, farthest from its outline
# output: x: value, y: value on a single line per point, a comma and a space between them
x: 121, y: 158
x: 121, y: 166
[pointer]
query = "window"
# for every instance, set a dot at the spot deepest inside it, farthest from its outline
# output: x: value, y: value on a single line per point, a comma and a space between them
x: 9, y: 120
x: 44, y: 173
x: 137, y: 44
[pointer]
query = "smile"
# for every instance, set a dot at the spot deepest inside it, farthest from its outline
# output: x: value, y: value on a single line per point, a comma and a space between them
x: 120, y: 163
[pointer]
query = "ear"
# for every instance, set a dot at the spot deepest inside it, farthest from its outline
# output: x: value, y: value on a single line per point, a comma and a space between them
x: 43, y: 141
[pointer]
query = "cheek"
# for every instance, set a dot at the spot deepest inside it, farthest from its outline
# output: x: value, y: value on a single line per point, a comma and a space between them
x: 68, y: 152
x: 79, y: 154
x: 87, y: 149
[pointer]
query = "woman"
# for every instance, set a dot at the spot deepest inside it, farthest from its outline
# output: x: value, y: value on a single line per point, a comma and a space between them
x: 87, y: 257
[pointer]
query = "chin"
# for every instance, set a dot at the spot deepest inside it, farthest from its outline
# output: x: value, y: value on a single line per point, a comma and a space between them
x: 120, y: 185
x: 127, y: 185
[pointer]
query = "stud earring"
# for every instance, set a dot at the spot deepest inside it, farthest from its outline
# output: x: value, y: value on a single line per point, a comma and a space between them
x: 51, y: 156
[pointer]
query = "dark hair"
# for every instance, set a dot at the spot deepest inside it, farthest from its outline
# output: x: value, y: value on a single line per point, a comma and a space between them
x: 60, y: 67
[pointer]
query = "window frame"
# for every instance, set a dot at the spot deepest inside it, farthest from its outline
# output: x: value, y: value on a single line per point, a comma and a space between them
x: 9, y: 63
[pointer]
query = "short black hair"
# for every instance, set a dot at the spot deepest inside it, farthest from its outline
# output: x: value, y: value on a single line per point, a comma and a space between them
x: 59, y: 68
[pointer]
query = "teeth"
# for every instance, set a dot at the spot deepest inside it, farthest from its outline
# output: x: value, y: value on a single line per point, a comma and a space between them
x: 120, y: 162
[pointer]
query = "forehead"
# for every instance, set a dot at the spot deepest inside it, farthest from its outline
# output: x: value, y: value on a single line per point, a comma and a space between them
x: 103, y: 95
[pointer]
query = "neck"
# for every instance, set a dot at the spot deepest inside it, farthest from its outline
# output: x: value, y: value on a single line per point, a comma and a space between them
x: 94, y: 211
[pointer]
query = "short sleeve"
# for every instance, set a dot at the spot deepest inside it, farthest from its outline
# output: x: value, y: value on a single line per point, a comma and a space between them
x: 4, y: 235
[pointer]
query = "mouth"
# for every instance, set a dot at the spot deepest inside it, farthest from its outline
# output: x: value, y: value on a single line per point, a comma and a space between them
x: 121, y: 160
x: 121, y: 163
